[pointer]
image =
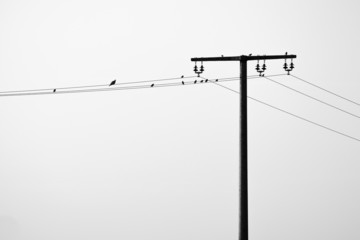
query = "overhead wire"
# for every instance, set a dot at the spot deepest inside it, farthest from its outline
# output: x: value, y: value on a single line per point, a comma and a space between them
x: 326, y: 90
x: 106, y: 87
x: 112, y: 88
x: 222, y: 86
x: 304, y: 119
x: 292, y: 114
x: 214, y: 81
x: 311, y: 97
x: 95, y: 86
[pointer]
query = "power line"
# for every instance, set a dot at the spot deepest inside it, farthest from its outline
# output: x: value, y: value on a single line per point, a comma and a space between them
x: 95, y: 86
x: 292, y: 114
x: 304, y: 119
x: 71, y: 89
x: 328, y: 91
x: 214, y: 81
x: 223, y: 86
x: 105, y: 87
x: 316, y: 99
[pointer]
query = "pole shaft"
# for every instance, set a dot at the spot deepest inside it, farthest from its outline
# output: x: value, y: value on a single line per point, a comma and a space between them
x: 243, y: 198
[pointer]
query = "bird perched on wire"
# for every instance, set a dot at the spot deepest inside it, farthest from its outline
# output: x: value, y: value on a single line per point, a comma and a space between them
x: 182, y: 76
x: 182, y: 82
x: 54, y: 90
x: 112, y: 83
x: 195, y: 81
x: 202, y: 81
x: 250, y: 54
x: 206, y: 80
x: 216, y: 80
x: 285, y: 53
x: 152, y: 85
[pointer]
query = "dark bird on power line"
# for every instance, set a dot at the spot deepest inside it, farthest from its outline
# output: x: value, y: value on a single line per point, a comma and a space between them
x: 112, y: 83
x: 182, y: 76
x: 206, y: 80
x: 182, y: 82
x: 202, y: 81
x: 286, y: 53
x: 152, y: 85
x: 195, y: 81
x: 250, y: 54
x: 54, y: 90
x: 216, y: 80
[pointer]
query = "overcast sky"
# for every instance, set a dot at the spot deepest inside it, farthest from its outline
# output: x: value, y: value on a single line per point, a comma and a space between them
x: 162, y: 163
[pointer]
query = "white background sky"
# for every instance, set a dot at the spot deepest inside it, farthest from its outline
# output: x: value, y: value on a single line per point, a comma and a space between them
x: 163, y: 163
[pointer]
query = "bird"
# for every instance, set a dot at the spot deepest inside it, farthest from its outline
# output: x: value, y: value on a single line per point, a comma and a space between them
x: 250, y: 54
x: 182, y: 82
x: 195, y: 81
x: 222, y: 55
x: 206, y: 80
x: 286, y: 53
x: 182, y: 76
x: 202, y: 81
x: 112, y: 83
x: 152, y: 85
x: 54, y: 90
x: 216, y: 80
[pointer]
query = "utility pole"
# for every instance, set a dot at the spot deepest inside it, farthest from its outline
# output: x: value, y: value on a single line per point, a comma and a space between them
x: 243, y: 191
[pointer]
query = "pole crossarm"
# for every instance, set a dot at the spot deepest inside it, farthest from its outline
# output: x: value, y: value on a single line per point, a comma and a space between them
x: 242, y: 58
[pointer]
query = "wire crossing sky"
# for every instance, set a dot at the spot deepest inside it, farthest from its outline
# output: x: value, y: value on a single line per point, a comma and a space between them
x: 181, y: 81
x: 126, y: 86
x: 316, y: 99
x: 326, y: 90
x: 289, y: 113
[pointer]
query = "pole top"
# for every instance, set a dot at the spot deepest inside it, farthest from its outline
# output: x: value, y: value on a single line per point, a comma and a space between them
x: 242, y: 58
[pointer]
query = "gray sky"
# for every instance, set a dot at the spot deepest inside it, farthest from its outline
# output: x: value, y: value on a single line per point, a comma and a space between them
x: 162, y: 163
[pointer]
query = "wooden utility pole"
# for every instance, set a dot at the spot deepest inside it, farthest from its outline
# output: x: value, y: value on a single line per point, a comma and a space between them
x: 243, y: 191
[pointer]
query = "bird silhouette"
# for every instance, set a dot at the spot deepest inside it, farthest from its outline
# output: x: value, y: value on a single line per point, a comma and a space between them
x: 54, y: 90
x: 182, y: 76
x: 202, y: 81
x: 195, y: 81
x: 152, y: 85
x: 250, y: 54
x: 286, y: 53
x: 216, y: 80
x: 182, y: 82
x: 206, y: 80
x: 222, y: 55
x: 112, y: 83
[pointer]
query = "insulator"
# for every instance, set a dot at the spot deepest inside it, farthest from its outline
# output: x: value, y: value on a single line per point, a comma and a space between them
x: 285, y: 66
x: 201, y: 68
x: 257, y: 67
x: 195, y: 69
x: 264, y: 67
x: 292, y: 65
